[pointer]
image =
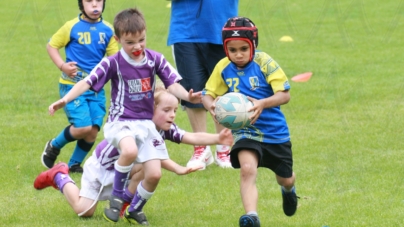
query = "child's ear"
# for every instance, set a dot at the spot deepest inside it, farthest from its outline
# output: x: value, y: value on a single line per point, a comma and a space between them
x: 116, y: 38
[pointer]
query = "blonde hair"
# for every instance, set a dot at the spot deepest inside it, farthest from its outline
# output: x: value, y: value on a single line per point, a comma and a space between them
x: 159, y: 92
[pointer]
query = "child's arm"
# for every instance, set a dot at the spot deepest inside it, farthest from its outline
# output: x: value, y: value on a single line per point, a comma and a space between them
x: 76, y: 91
x: 69, y: 68
x: 279, y: 98
x: 201, y: 138
x: 179, y: 91
x: 172, y: 166
x: 209, y: 104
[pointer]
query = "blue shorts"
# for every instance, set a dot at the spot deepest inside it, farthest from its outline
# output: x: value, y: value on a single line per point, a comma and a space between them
x: 195, y: 63
x: 86, y: 110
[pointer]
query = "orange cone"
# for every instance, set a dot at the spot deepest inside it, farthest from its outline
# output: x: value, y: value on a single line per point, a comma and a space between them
x: 302, y: 77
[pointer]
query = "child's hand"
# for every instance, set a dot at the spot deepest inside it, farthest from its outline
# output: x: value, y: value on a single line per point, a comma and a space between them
x: 212, y: 109
x: 185, y: 170
x: 194, y: 97
x: 225, y: 137
x: 70, y: 69
x: 257, y: 108
x: 56, y: 105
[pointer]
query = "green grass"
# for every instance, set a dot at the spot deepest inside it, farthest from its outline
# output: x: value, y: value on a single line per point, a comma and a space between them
x: 345, y: 123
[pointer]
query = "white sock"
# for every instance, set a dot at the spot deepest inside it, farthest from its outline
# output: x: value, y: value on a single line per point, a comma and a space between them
x: 143, y: 192
x: 252, y: 213
x: 286, y: 190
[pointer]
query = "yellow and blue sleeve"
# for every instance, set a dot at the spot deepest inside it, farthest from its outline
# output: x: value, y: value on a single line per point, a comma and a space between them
x: 216, y: 86
x: 112, y: 47
x: 274, y: 74
x: 62, y: 37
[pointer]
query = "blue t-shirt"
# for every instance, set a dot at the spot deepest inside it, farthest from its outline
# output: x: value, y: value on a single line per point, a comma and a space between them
x: 261, y: 78
x: 199, y: 21
x: 85, y: 43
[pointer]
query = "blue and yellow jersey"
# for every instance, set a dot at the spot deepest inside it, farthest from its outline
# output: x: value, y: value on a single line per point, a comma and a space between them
x: 260, y: 79
x: 85, y: 43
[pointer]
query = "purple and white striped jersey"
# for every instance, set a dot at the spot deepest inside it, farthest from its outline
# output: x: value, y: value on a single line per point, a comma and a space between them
x: 132, y: 83
x: 107, y: 154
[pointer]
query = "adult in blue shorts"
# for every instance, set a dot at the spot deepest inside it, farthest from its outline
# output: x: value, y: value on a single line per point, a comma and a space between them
x: 195, y: 35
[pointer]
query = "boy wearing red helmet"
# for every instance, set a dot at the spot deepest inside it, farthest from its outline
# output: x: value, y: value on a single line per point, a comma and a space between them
x: 266, y: 142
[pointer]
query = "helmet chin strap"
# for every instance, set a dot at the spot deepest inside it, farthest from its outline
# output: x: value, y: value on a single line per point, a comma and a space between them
x: 86, y: 16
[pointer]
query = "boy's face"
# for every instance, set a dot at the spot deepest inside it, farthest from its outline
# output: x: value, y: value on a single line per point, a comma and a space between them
x: 239, y: 52
x: 133, y: 44
x: 164, y: 112
x: 93, y: 9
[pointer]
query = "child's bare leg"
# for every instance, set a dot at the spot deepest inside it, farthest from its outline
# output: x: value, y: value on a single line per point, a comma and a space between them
x: 248, y: 174
x: 136, y: 176
x: 287, y: 183
x: 78, y: 204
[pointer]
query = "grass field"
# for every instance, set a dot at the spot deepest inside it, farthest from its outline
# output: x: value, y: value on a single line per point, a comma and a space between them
x: 346, y: 122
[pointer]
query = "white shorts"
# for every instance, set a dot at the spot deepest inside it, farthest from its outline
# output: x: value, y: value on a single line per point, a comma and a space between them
x: 94, y: 178
x: 149, y: 141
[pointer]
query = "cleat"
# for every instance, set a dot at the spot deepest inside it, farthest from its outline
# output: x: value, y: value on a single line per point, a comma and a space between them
x: 111, y: 214
x: 122, y: 213
x: 223, y: 159
x: 135, y: 217
x: 202, y: 156
x: 46, y: 178
x: 49, y: 155
x: 76, y: 168
x: 249, y: 221
x: 289, y: 202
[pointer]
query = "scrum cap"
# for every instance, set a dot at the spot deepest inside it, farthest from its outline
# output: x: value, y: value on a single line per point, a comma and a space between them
x: 240, y: 28
x: 81, y: 7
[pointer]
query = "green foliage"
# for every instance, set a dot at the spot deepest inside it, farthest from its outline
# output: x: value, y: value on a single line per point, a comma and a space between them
x: 345, y: 122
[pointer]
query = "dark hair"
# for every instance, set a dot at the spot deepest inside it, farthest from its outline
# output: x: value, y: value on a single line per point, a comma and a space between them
x: 240, y: 28
x: 81, y: 7
x: 129, y: 21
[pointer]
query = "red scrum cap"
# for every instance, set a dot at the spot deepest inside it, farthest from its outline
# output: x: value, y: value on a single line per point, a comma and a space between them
x: 240, y: 28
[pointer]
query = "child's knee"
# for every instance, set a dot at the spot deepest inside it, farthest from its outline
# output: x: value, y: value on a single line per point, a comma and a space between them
x: 286, y: 182
x: 153, y: 177
x: 248, y: 169
x: 129, y: 154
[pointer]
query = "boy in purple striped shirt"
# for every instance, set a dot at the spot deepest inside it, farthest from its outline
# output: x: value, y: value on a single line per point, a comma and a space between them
x: 132, y: 72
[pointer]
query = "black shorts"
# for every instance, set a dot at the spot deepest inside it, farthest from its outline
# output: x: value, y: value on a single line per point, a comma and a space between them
x: 277, y: 157
x: 195, y: 63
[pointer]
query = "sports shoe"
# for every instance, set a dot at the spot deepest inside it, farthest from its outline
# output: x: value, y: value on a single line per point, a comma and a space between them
x: 76, y: 168
x: 223, y: 159
x: 202, y: 156
x: 122, y: 213
x: 46, y: 178
x: 111, y: 214
x: 49, y: 155
x: 135, y: 217
x: 289, y: 202
x: 249, y: 221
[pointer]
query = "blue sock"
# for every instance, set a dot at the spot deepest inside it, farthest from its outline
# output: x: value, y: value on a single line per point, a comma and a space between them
x: 63, y: 138
x: 80, y: 152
